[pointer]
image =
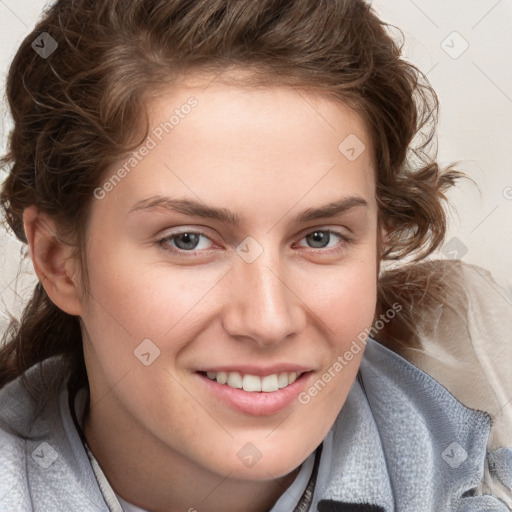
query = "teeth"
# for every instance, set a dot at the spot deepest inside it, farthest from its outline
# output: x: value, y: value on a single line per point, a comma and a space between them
x: 269, y: 383
x: 253, y: 383
x: 282, y: 380
x: 234, y: 380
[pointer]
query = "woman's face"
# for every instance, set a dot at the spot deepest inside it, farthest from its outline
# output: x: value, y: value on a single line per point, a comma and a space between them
x: 240, y: 244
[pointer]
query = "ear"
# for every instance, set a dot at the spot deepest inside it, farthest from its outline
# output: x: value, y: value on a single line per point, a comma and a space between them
x: 382, y: 243
x: 53, y: 260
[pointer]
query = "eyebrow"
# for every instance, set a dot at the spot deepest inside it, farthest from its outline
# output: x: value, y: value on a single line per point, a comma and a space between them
x: 198, y: 209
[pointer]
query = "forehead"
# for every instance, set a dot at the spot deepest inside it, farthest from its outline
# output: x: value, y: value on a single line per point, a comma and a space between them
x: 227, y: 143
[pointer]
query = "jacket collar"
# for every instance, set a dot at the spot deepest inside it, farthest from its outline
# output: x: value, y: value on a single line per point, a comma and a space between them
x: 400, y: 442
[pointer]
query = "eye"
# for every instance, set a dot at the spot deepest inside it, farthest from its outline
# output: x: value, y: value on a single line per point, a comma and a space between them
x: 322, y: 238
x: 186, y: 241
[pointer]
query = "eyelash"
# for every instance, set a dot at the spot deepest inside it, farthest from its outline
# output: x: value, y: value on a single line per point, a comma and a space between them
x: 164, y: 242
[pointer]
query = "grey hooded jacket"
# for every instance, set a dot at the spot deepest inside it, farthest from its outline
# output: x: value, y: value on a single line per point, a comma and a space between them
x: 401, y: 443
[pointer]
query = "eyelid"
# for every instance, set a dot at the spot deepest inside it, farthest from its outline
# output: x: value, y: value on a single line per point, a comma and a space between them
x: 345, y: 239
x: 163, y: 240
x: 182, y: 229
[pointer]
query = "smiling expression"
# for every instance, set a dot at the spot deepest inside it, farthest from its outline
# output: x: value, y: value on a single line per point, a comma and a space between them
x: 227, y: 271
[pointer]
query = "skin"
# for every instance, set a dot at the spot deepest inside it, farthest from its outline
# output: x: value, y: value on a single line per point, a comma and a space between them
x: 267, y: 154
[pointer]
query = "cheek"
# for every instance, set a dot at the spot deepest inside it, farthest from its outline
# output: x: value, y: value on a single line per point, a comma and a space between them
x: 344, y: 298
x: 121, y: 291
x: 346, y: 306
x: 345, y: 303
x: 132, y: 300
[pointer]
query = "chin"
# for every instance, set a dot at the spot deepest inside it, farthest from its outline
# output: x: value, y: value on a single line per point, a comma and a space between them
x: 267, y: 463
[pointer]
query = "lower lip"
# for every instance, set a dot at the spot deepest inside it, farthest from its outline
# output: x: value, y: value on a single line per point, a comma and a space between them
x: 257, y: 403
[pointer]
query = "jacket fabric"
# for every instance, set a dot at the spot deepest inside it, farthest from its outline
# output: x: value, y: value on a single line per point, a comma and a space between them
x: 401, y: 443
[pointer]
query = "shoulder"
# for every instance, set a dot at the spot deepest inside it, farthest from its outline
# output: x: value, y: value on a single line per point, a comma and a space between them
x: 18, y: 411
x: 402, y: 441
x: 398, y: 389
x: 38, y: 461
x: 461, y: 320
x: 458, y: 329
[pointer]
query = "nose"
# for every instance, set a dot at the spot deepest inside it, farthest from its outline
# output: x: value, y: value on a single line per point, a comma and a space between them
x: 262, y: 304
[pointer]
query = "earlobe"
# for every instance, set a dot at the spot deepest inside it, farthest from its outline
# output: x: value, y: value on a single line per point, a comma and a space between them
x: 53, y: 260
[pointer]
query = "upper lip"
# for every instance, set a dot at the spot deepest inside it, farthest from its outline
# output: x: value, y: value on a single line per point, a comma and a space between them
x: 247, y: 369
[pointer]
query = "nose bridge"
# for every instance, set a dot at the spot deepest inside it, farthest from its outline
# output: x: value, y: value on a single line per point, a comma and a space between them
x: 262, y: 305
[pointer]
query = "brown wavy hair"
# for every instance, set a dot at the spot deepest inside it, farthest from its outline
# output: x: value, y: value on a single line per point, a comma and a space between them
x: 75, y: 112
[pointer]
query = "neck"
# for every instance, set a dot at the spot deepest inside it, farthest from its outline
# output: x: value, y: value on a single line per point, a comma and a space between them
x: 157, y: 478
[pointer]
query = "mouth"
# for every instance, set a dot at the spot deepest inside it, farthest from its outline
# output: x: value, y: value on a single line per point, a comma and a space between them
x: 256, y: 395
x: 254, y: 383
x: 256, y: 389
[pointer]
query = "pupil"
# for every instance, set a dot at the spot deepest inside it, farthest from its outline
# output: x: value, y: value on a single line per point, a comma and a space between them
x: 190, y: 241
x: 319, y: 238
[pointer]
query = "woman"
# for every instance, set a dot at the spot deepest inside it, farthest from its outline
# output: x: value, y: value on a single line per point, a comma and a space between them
x: 208, y: 189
